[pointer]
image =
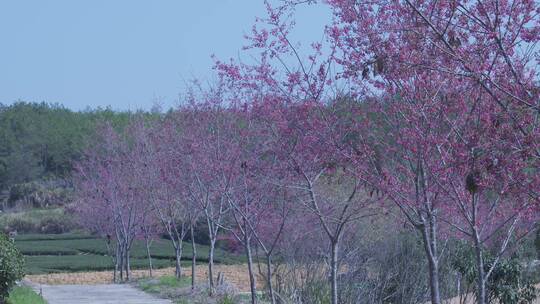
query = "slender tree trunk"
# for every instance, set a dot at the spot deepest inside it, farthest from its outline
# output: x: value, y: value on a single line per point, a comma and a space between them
x: 430, y: 247
x: 481, y: 293
x: 128, y: 266
x: 113, y: 257
x: 252, y: 283
x: 269, y: 279
x: 458, y: 284
x: 150, y: 268
x: 193, y: 257
x: 211, y: 264
x: 116, y: 260
x: 121, y: 262
x: 334, y: 270
x: 178, y: 255
x: 433, y: 266
x: 213, y: 235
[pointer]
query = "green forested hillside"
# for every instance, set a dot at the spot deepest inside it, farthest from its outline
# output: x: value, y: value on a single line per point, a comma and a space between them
x: 41, y: 140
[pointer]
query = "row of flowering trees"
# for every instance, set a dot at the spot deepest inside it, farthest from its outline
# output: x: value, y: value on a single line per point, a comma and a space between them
x: 253, y: 171
x: 272, y: 169
x: 438, y: 126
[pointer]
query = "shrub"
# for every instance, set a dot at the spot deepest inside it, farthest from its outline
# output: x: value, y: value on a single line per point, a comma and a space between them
x: 21, y: 225
x: 38, y: 195
x: 20, y: 191
x: 390, y: 270
x: 201, y: 233
x: 507, y: 284
x: 48, y: 221
x: 55, y: 226
x: 227, y: 300
x: 11, y: 266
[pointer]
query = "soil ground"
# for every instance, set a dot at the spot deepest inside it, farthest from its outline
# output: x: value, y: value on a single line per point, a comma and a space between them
x: 234, y: 274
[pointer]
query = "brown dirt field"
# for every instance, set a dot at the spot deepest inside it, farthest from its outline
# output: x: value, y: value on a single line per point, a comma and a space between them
x: 234, y: 274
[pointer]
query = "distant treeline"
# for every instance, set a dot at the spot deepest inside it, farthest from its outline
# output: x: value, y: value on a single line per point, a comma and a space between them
x: 41, y: 140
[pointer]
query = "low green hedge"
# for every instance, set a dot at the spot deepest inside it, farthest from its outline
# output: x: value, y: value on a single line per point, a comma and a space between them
x: 11, y: 266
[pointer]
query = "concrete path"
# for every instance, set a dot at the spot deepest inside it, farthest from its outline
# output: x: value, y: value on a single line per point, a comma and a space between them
x: 95, y: 294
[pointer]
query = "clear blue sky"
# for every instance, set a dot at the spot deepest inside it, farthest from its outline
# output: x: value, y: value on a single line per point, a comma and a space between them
x: 123, y: 53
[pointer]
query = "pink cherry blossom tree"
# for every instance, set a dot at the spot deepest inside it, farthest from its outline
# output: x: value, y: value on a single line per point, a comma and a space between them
x: 163, y: 174
x: 143, y: 167
x: 258, y: 209
x: 313, y: 145
x: 447, y: 52
x: 209, y: 153
x: 492, y: 186
x: 309, y: 138
x: 109, y: 199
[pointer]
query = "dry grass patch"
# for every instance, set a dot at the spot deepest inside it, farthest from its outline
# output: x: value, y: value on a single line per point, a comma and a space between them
x: 234, y: 274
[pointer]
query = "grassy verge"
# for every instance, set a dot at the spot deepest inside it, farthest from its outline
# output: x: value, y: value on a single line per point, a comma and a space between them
x: 180, y: 292
x: 24, y: 295
x: 162, y: 284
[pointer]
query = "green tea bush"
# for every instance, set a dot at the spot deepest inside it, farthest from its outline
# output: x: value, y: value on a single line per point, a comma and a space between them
x: 11, y: 266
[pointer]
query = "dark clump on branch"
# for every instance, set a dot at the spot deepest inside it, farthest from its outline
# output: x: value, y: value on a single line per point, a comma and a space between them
x: 379, y: 65
x: 471, y: 182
